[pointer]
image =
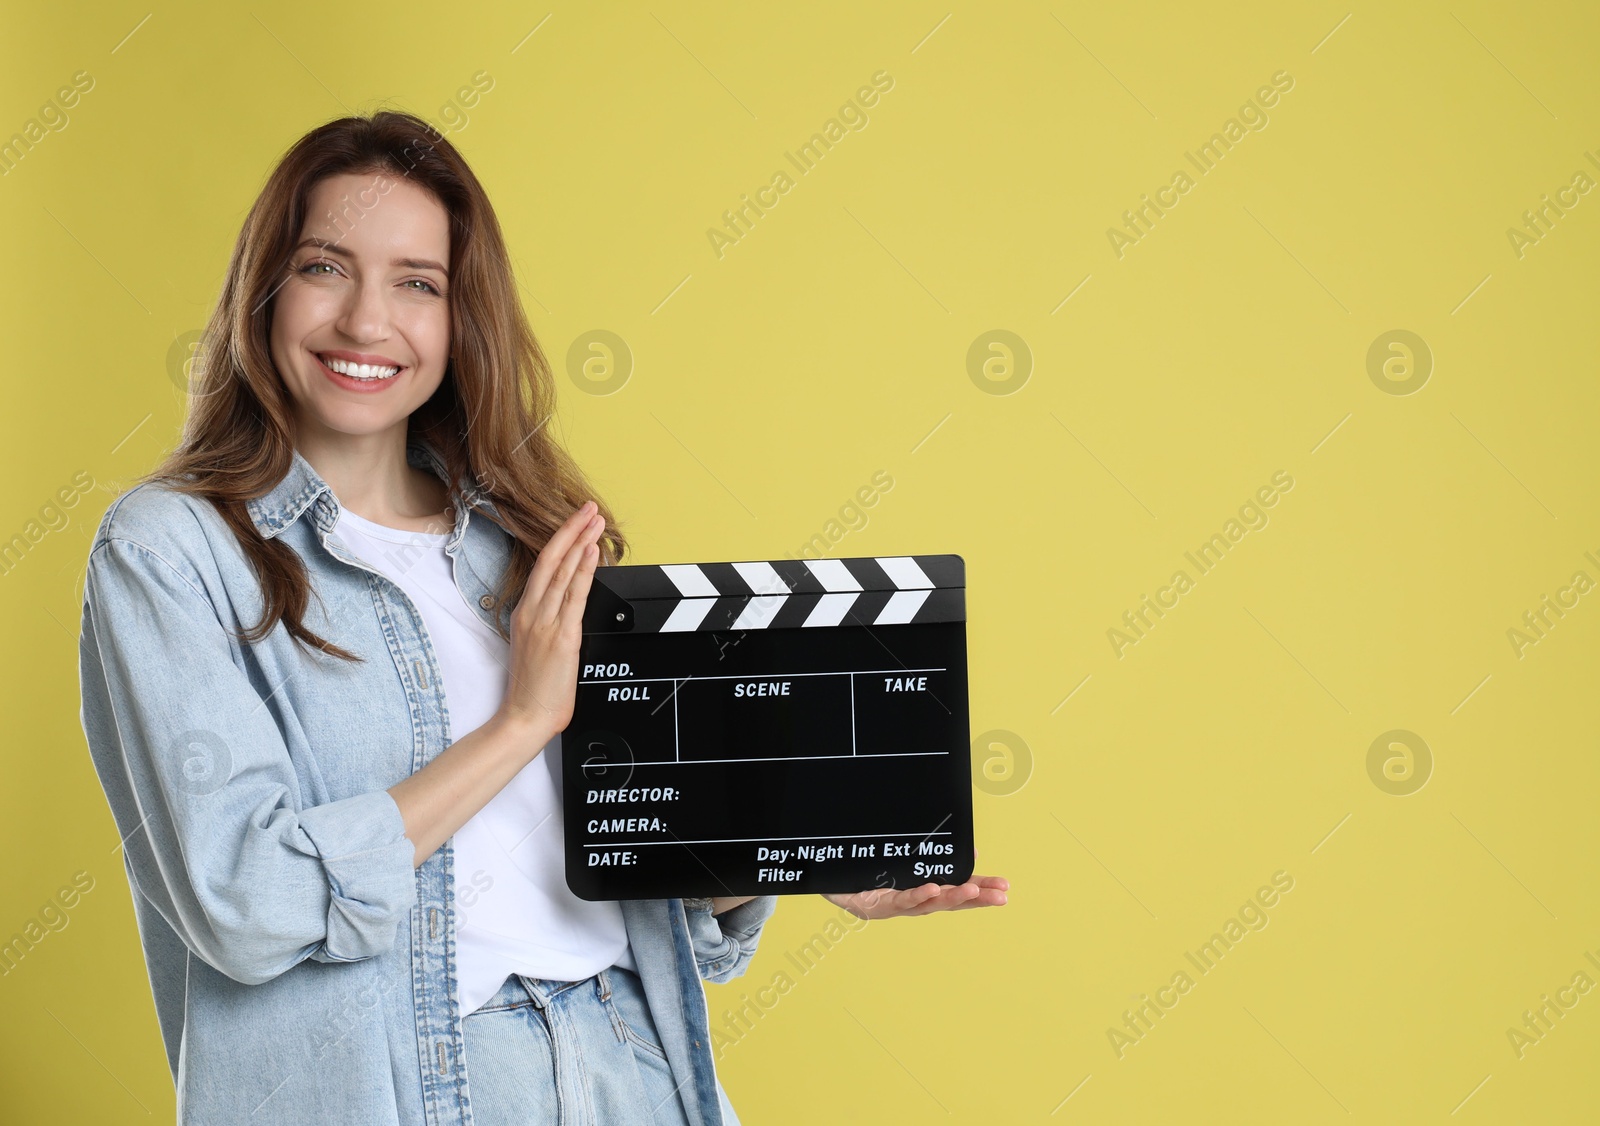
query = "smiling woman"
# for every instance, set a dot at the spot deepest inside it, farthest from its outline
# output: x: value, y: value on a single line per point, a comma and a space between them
x: 329, y: 648
x: 301, y: 590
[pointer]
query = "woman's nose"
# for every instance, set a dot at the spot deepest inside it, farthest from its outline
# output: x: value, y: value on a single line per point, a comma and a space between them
x: 366, y: 315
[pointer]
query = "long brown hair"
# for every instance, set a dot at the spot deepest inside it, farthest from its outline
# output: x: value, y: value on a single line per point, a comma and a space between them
x: 487, y: 420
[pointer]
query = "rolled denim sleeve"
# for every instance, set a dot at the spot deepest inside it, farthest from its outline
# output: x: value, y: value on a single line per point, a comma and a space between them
x: 725, y: 943
x: 204, y: 792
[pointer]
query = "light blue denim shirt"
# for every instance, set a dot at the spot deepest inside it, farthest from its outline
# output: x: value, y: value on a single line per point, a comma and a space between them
x: 303, y: 971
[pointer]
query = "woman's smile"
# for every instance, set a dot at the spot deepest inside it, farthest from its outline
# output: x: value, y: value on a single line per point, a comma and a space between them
x: 375, y: 374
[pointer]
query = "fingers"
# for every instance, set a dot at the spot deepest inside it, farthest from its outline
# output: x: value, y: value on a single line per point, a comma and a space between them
x: 890, y: 903
x: 911, y: 901
x: 980, y: 891
x: 875, y: 903
x: 555, y: 594
x: 950, y: 897
x: 578, y: 588
x: 546, y: 564
x: 871, y: 901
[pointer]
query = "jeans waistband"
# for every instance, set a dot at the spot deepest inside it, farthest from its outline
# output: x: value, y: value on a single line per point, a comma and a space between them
x: 518, y: 990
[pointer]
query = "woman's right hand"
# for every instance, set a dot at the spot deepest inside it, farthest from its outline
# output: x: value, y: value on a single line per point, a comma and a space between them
x: 541, y: 688
x: 547, y: 626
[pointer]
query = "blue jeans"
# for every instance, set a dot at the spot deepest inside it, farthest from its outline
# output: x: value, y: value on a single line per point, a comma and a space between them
x: 576, y: 1053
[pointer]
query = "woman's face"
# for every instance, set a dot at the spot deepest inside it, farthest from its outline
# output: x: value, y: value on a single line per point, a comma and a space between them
x: 365, y: 295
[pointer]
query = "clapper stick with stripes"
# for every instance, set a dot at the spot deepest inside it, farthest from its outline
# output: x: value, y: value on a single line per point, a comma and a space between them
x: 770, y: 727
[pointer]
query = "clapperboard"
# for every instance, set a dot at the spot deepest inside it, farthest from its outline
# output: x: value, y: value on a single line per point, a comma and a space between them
x: 761, y: 728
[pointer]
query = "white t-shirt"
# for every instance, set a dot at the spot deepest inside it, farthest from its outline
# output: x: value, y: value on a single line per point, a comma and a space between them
x: 514, y: 911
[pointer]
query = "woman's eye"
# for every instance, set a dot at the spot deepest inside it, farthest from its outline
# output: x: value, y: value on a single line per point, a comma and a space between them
x: 310, y: 268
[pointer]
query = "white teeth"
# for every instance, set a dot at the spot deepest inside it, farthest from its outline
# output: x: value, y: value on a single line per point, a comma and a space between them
x: 359, y: 371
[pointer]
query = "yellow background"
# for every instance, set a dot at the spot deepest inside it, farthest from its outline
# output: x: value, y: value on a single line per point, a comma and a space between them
x: 768, y: 385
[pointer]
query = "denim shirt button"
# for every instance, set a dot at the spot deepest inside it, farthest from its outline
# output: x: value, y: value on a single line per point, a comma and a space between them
x: 486, y: 601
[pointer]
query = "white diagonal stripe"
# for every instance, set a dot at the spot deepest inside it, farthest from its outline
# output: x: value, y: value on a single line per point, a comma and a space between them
x: 902, y: 607
x: 763, y: 579
x: 833, y: 575
x: 688, y: 614
x: 759, y: 611
x: 690, y: 580
x: 830, y: 609
x: 904, y: 572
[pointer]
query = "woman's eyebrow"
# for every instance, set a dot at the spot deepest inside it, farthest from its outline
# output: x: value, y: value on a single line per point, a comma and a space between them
x: 408, y: 263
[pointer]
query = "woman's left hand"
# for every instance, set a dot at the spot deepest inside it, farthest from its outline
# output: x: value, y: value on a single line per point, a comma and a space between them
x: 890, y: 903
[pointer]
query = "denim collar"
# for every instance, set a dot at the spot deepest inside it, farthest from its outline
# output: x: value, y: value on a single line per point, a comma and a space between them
x: 303, y: 487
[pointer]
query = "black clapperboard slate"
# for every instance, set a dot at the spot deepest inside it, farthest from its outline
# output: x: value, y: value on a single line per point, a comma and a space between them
x: 770, y: 728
